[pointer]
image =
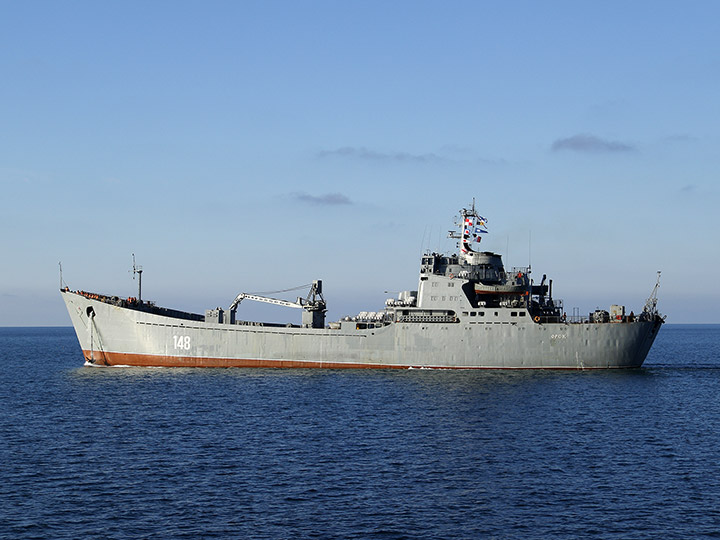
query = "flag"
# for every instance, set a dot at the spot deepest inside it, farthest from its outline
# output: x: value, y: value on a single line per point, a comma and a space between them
x: 478, y: 230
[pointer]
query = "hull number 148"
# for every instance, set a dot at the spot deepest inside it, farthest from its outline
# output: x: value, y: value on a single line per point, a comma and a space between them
x: 182, y: 342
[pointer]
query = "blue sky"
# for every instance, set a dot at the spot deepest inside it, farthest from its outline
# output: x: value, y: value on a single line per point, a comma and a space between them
x: 255, y: 146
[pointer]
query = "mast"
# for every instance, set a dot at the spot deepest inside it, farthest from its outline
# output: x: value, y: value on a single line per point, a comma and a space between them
x: 472, y: 225
x: 138, y: 270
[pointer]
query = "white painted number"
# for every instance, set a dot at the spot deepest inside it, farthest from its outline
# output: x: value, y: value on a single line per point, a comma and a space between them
x: 182, y: 342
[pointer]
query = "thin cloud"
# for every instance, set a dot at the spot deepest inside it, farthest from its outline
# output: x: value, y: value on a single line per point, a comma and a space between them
x: 591, y: 144
x: 373, y: 155
x: 680, y: 138
x: 456, y: 149
x: 329, y: 199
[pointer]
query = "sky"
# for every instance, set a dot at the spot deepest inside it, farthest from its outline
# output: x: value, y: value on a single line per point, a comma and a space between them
x: 254, y: 146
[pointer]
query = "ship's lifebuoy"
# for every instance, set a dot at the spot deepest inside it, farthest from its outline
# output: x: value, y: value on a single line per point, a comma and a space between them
x: 451, y: 275
x: 537, y: 318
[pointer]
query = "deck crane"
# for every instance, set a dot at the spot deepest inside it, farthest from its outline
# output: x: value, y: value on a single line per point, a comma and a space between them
x: 313, y: 305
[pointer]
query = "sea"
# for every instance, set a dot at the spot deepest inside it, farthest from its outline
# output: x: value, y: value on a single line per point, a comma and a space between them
x: 155, y: 453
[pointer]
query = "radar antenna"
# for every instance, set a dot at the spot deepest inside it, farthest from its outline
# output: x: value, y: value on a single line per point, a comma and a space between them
x: 138, y: 270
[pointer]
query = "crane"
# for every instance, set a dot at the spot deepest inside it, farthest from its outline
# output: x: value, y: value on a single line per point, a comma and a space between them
x: 314, y: 305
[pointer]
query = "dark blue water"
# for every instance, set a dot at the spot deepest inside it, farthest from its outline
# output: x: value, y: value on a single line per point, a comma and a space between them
x: 260, y: 453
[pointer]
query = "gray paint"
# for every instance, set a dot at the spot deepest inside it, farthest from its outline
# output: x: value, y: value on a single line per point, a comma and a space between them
x: 467, y: 312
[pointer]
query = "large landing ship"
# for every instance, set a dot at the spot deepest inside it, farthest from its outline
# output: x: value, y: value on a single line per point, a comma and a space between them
x: 468, y: 312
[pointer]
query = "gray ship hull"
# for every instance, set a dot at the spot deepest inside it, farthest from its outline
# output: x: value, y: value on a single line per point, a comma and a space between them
x: 119, y: 335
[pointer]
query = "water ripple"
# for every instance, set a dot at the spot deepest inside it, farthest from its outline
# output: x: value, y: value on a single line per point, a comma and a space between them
x: 265, y: 454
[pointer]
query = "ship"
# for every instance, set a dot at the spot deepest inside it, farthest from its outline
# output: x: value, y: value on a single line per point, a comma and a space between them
x: 468, y: 312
